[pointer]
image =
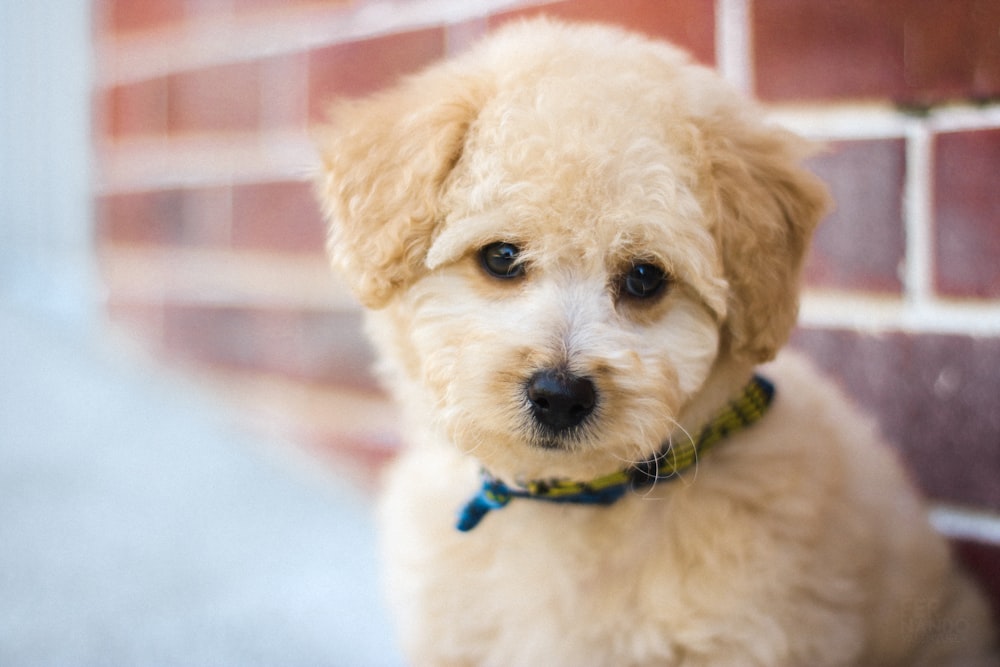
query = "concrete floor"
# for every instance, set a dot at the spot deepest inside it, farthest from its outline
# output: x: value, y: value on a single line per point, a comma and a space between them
x: 139, y: 527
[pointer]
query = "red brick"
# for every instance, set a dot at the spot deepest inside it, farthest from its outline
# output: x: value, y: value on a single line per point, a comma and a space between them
x: 951, y: 49
x: 141, y: 217
x: 934, y: 396
x: 141, y: 322
x: 463, y: 35
x: 357, y: 68
x: 369, y: 456
x: 837, y: 48
x: 937, y: 58
x: 967, y: 213
x: 226, y: 98
x: 333, y: 349
x: 179, y: 217
x: 982, y: 560
x: 861, y: 244
x: 225, y: 336
x: 688, y: 23
x: 284, y: 98
x: 986, y: 59
x: 208, y: 216
x: 136, y: 109
x: 910, y: 51
x: 310, y: 346
x: 132, y: 15
x: 277, y: 216
x: 197, y: 9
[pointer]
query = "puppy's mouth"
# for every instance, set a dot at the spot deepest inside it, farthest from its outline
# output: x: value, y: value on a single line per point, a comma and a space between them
x: 554, y: 444
x: 573, y: 441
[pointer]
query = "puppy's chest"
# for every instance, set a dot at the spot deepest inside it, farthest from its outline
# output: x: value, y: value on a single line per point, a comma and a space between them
x: 569, y: 575
x: 532, y: 571
x: 578, y: 547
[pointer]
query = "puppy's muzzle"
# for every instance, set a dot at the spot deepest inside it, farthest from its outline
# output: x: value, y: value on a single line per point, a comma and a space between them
x: 560, y: 400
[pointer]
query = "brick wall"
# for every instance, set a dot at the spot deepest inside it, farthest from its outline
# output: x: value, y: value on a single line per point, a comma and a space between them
x: 212, y: 249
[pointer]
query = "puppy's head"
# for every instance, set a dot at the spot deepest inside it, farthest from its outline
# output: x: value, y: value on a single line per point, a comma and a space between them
x: 566, y: 230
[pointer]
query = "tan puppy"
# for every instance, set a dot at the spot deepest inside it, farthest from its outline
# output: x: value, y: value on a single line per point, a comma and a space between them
x: 576, y: 247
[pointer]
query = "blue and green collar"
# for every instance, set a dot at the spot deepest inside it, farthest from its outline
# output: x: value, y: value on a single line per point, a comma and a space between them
x: 675, y: 457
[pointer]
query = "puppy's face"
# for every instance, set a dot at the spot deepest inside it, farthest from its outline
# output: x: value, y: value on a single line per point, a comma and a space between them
x: 564, y: 251
x: 573, y: 296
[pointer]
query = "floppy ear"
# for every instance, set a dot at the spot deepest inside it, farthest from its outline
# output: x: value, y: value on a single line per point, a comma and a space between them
x: 767, y: 207
x: 385, y: 160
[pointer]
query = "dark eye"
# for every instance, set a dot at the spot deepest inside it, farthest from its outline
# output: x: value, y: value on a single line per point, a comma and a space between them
x: 500, y: 260
x: 643, y: 281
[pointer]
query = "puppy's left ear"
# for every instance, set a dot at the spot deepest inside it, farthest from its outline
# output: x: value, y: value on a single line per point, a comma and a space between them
x: 766, y: 207
x: 385, y: 160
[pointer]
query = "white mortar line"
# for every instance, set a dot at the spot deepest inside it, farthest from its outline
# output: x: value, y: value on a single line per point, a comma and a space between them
x: 868, y: 314
x: 880, y: 121
x: 842, y: 122
x: 733, y: 47
x: 224, y: 277
x: 873, y: 314
x: 964, y: 118
x: 224, y: 39
x: 206, y: 160
x: 918, y: 215
x: 963, y: 523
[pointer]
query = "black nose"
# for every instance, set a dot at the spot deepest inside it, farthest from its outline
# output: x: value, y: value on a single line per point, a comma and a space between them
x: 559, y: 399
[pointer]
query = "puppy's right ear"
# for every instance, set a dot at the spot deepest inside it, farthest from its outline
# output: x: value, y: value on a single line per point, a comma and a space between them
x: 767, y: 207
x: 385, y: 160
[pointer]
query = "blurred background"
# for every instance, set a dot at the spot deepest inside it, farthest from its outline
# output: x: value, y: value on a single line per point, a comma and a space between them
x: 189, y: 435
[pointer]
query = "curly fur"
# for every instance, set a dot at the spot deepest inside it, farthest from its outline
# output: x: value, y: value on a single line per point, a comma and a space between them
x: 797, y: 542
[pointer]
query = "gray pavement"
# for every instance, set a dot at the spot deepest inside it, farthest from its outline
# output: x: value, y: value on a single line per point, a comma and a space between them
x: 139, y: 527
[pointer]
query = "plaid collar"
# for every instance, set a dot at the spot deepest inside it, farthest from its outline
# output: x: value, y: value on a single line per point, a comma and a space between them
x: 675, y: 457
